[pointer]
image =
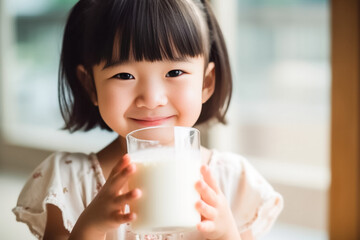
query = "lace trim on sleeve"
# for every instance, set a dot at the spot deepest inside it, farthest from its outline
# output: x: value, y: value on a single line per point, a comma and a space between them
x: 19, y: 211
x: 27, y: 216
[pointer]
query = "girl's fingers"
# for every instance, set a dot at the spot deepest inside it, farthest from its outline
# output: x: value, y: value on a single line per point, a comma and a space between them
x: 121, y: 164
x: 206, y: 226
x: 120, y: 178
x: 207, y: 194
x: 123, y: 218
x: 208, y: 212
x: 209, y: 179
x: 127, y: 197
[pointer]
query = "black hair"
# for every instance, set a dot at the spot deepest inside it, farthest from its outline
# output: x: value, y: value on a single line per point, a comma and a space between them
x: 116, y: 30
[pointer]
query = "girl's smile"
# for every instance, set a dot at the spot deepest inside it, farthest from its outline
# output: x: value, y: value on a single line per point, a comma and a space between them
x: 152, y: 121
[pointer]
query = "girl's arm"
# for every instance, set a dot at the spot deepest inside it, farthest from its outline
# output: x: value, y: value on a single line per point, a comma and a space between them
x: 54, y: 225
x: 55, y: 229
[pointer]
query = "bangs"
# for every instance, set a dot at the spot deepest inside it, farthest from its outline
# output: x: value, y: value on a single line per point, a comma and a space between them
x: 151, y: 30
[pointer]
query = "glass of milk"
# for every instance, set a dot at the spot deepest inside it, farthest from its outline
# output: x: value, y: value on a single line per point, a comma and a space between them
x: 167, y: 163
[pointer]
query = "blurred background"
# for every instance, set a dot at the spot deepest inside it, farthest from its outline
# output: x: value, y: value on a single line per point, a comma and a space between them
x: 279, y: 116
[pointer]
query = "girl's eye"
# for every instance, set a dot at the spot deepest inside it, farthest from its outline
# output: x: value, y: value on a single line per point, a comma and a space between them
x: 124, y: 76
x: 174, y: 73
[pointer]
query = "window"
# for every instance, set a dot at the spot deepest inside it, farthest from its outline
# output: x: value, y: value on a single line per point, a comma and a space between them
x: 31, y: 115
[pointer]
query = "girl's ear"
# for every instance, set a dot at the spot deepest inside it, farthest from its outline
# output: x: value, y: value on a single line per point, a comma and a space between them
x: 87, y: 83
x: 209, y: 82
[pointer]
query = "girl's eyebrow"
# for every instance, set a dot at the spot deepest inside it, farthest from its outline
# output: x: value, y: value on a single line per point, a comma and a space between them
x: 115, y: 63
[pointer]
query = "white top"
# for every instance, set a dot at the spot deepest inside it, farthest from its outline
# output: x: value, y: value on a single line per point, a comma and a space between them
x: 71, y: 180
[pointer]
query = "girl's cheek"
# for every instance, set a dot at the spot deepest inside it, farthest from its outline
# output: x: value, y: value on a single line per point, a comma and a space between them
x: 113, y: 94
x: 193, y: 93
x: 189, y: 104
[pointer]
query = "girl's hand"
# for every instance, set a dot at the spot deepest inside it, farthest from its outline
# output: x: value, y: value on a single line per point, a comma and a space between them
x: 217, y: 221
x: 106, y: 211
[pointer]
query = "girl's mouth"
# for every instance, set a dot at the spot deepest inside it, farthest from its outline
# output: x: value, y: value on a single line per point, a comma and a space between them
x: 149, y: 122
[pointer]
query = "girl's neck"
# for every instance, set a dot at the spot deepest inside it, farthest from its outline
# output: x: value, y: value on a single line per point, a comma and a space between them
x: 111, y: 154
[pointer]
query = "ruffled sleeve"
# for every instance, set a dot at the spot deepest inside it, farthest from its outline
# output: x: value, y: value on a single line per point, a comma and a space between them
x: 59, y: 180
x: 253, y: 201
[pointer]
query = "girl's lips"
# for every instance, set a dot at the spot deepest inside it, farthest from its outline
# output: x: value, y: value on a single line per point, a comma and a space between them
x: 149, y: 122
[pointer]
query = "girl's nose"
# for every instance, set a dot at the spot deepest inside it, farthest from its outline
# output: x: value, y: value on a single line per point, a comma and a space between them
x: 151, y: 95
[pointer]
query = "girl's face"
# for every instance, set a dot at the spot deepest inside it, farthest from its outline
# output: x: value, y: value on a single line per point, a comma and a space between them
x: 134, y: 95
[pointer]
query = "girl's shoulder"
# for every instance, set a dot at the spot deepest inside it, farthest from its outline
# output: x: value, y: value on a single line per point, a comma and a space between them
x: 74, y: 160
x: 79, y: 172
x: 228, y: 162
x: 70, y: 165
x: 232, y: 169
x: 226, y: 157
x: 68, y: 168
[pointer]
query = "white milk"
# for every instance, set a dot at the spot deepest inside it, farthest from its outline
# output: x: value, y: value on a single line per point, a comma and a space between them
x: 167, y: 181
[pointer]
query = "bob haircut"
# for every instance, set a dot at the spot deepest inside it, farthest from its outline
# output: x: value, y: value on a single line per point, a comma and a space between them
x: 153, y: 30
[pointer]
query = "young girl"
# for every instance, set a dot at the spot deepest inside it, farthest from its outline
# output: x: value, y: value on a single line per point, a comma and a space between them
x: 129, y: 64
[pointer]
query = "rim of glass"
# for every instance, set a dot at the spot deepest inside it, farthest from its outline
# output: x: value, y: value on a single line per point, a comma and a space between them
x: 130, y: 134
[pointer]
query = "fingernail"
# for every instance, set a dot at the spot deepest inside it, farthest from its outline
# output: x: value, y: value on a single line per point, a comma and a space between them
x: 133, y: 166
x: 126, y: 157
x: 132, y: 216
x: 129, y: 168
x: 137, y: 192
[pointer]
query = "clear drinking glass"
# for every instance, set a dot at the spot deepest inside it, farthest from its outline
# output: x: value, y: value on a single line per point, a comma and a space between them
x: 167, y: 163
